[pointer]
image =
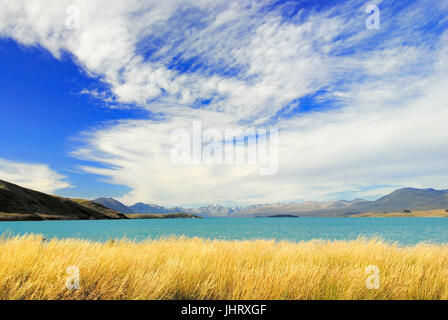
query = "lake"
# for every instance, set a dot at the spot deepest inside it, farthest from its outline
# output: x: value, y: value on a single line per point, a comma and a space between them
x: 406, y: 231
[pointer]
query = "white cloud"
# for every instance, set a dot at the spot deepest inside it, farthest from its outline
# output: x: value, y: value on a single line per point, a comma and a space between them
x: 38, y: 177
x: 383, y: 121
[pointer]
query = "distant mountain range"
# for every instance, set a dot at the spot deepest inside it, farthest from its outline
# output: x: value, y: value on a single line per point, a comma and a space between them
x: 18, y: 203
x: 153, y: 208
x: 399, y: 200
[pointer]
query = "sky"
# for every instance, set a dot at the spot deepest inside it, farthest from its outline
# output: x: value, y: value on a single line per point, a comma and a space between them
x: 92, y: 91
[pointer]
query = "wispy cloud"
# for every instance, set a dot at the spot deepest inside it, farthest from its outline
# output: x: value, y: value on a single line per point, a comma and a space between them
x: 34, y: 176
x: 378, y: 102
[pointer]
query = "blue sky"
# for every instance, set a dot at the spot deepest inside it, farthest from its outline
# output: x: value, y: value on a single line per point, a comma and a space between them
x: 43, y: 111
x: 87, y: 111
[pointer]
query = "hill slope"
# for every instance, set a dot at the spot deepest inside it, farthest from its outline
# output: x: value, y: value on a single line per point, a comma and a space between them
x: 18, y: 203
x: 113, y: 204
x: 100, y: 208
x: 411, y: 198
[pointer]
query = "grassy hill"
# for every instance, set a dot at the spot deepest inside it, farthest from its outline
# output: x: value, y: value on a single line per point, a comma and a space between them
x: 100, y: 208
x: 21, y: 204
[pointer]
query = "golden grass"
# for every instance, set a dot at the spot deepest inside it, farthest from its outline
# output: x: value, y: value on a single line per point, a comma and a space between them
x: 179, y: 268
x: 421, y: 213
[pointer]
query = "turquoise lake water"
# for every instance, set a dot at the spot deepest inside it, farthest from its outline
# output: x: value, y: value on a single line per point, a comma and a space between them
x: 406, y: 231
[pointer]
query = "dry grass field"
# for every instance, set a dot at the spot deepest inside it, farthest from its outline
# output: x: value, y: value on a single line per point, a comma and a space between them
x: 178, y: 268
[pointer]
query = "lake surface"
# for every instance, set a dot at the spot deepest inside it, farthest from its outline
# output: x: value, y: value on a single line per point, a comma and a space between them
x: 406, y: 231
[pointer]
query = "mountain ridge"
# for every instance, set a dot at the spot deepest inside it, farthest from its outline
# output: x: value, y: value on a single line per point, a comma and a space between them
x: 113, y: 204
x: 398, y: 200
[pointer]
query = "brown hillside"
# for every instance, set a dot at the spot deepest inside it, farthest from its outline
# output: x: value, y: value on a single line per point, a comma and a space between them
x: 18, y: 203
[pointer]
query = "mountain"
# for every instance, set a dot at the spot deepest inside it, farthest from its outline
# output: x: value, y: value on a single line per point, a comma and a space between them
x: 399, y: 200
x: 113, y: 204
x: 304, y: 209
x: 212, y: 210
x: 18, y: 203
x: 153, y: 208
x: 411, y: 199
x: 311, y: 208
